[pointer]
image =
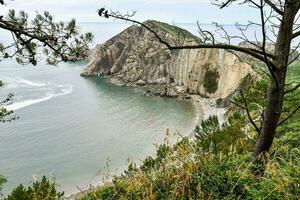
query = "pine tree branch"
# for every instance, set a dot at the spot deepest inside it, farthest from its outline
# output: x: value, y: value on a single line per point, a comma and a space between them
x: 59, y: 40
x: 18, y: 31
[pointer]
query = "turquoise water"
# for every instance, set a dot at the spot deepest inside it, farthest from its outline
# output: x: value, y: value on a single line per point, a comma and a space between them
x: 70, y: 125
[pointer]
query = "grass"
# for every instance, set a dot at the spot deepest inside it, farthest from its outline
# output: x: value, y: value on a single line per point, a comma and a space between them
x: 294, y: 73
x: 186, y: 171
x: 175, y: 31
x: 215, y: 165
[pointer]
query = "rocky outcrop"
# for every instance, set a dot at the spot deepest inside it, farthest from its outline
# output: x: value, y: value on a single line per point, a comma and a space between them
x: 135, y: 56
x: 270, y: 48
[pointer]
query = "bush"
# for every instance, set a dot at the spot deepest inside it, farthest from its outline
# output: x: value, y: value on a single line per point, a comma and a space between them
x: 40, y: 190
x: 211, y: 136
x: 215, y: 165
x: 2, y: 182
x: 211, y: 81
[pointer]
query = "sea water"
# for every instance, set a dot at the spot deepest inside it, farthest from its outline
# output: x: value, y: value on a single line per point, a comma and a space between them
x: 72, y: 128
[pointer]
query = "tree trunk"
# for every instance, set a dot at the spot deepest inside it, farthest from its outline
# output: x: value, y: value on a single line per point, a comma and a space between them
x: 272, y: 114
x: 274, y: 104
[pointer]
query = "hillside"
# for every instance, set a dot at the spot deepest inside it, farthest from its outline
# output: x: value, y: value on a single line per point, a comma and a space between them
x: 136, y: 57
x: 216, y: 164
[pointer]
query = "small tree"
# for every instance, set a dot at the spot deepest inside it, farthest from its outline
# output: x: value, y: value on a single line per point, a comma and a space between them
x: 2, y: 181
x: 43, y: 189
x: 279, y: 18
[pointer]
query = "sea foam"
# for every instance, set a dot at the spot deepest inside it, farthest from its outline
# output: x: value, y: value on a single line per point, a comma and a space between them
x: 66, y: 89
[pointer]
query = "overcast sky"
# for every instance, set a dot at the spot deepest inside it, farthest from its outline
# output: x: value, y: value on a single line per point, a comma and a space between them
x: 165, y: 10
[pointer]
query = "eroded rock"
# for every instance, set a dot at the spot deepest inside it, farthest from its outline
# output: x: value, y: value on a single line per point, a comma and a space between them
x: 135, y: 56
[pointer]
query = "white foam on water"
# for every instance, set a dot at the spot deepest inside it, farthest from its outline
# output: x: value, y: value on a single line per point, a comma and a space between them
x: 12, y: 83
x: 68, y: 89
x: 19, y: 105
x: 30, y: 83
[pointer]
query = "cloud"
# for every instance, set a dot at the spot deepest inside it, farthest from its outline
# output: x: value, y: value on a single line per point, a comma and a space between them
x: 165, y: 10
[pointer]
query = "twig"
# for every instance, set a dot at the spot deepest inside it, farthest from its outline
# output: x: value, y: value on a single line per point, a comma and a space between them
x: 248, y: 113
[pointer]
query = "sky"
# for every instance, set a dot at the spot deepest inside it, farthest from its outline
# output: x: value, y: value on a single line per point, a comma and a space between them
x: 170, y: 11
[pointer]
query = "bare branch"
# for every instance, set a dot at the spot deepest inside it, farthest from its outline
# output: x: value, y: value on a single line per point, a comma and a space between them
x: 248, y: 113
x: 269, y: 2
x: 271, y: 67
x: 289, y: 116
x: 226, y: 4
x: 293, y: 89
x: 250, y: 51
x: 274, y: 7
x: 239, y: 105
x: 296, y: 34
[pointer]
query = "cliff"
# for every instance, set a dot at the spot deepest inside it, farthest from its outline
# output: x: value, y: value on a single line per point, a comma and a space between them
x: 136, y: 57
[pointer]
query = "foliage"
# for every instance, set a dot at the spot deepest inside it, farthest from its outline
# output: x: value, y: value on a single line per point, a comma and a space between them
x: 184, y: 171
x: 59, y: 41
x: 211, y: 79
x: 212, y: 137
x: 294, y: 72
x: 40, y: 190
x: 175, y: 31
x: 6, y: 115
x: 275, y: 54
x: 216, y: 164
x: 2, y: 182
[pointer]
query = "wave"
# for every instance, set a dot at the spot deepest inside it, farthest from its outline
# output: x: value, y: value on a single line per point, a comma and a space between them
x: 19, y: 105
x: 30, y: 83
x: 20, y: 82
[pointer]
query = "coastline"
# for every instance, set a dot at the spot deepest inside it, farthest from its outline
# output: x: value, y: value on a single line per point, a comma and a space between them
x: 204, y: 107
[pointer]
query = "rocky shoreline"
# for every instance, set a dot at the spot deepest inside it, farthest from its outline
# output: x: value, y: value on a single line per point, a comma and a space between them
x: 136, y: 58
x: 205, y: 108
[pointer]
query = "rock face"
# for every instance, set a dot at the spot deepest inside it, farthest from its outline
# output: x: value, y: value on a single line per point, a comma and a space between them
x: 135, y: 56
x: 270, y: 48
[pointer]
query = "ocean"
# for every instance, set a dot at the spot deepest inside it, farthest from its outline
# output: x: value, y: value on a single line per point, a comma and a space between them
x: 77, y: 129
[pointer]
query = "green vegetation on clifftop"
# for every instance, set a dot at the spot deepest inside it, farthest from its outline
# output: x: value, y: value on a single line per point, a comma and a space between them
x: 174, y: 30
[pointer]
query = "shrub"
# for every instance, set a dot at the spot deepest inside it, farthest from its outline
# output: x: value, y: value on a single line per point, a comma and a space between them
x: 211, y: 80
x: 40, y: 190
x: 215, y: 165
x: 2, y: 182
x: 213, y: 137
